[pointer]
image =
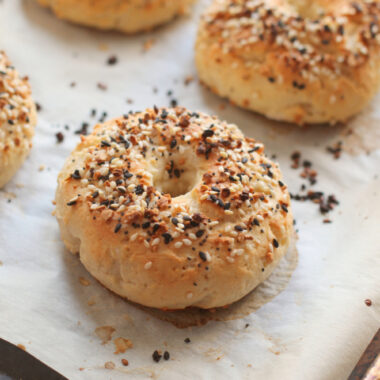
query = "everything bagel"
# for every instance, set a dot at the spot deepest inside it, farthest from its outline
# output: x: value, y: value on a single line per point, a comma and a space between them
x: 128, y: 16
x: 171, y: 208
x: 292, y: 60
x: 17, y: 119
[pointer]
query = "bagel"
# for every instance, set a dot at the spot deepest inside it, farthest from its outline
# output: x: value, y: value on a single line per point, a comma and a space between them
x: 128, y: 16
x: 170, y: 208
x: 297, y: 61
x: 17, y: 119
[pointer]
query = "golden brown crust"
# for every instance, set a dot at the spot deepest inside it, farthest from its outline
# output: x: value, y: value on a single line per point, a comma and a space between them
x: 17, y: 119
x: 128, y: 16
x: 297, y: 61
x: 171, y: 209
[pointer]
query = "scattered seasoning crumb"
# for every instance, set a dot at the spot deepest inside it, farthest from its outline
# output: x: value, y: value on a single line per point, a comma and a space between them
x: 156, y: 356
x: 187, y: 340
x: 112, y: 60
x: 104, y: 333
x: 125, y: 362
x: 246, y: 325
x: 73, y: 84
x: 84, y: 282
x: 109, y: 365
x: 327, y: 221
x: 148, y: 44
x: 60, y: 137
x: 336, y: 149
x: 368, y: 302
x: 130, y: 101
x: 83, y: 130
x: 1, y: 263
x: 21, y: 346
x: 38, y: 107
x: 102, y: 86
x: 166, y: 355
x: 122, y: 345
x: 41, y: 168
x: 188, y: 80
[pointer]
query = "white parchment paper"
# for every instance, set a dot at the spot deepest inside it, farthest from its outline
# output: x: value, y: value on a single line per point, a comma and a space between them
x: 315, y: 329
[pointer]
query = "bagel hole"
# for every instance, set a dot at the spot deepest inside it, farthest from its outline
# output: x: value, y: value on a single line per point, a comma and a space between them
x: 177, y: 176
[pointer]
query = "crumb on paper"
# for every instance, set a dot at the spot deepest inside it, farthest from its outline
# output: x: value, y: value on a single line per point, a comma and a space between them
x: 109, y: 365
x: 21, y: 346
x: 103, y: 47
x: 122, y: 345
x: 9, y: 195
x: 102, y: 86
x: 81, y: 369
x: 91, y: 302
x: 188, y: 80
x: 20, y: 185
x: 125, y: 362
x: 104, y: 333
x: 84, y: 282
x: 368, y: 302
x: 41, y: 168
x: 148, y: 44
x: 112, y: 60
x: 1, y: 263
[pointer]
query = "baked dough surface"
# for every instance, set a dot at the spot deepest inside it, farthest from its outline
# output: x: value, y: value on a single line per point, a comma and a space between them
x: 292, y: 60
x: 17, y: 119
x: 171, y: 208
x: 128, y: 16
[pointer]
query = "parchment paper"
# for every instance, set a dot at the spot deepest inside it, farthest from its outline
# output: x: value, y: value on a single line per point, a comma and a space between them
x: 316, y: 328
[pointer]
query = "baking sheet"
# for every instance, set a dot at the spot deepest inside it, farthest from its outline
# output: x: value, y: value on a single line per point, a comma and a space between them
x: 316, y: 328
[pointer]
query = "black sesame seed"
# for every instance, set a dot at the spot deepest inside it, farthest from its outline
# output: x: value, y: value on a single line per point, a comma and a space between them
x: 208, y: 133
x: 173, y: 143
x: 145, y: 225
x: 112, y: 60
x: 167, y: 237
x: 284, y: 207
x: 203, y: 256
x: 256, y: 222
x: 257, y: 147
x: 76, y: 174
x: 275, y: 243
x: 95, y: 194
x: 117, y: 228
x: 199, y: 233
x: 71, y: 203
x: 127, y: 175
x: 187, y: 340
x: 239, y: 228
x: 104, y: 144
x: 139, y: 190
x: 227, y: 206
x: 166, y: 355
x: 175, y: 221
x: 156, y: 356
